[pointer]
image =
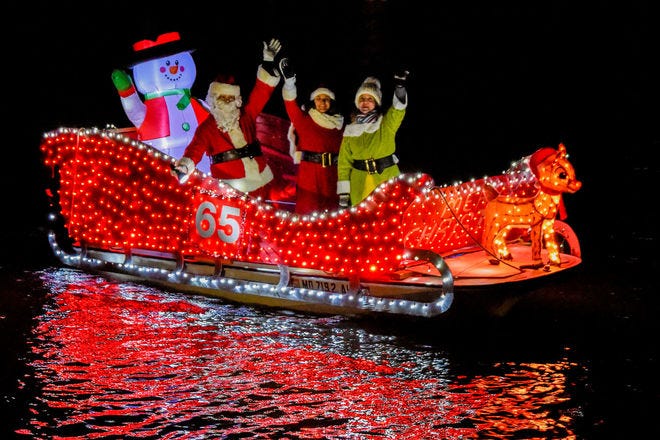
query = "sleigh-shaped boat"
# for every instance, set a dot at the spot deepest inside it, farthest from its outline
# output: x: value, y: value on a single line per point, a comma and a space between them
x: 407, y: 249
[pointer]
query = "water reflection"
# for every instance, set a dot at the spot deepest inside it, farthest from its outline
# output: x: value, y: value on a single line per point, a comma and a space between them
x: 119, y: 359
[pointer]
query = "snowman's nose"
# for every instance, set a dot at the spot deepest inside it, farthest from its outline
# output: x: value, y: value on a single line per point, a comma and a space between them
x: 174, y: 69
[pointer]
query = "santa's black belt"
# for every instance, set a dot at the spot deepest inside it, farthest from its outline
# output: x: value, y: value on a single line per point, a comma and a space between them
x: 325, y: 159
x: 373, y: 166
x: 253, y: 150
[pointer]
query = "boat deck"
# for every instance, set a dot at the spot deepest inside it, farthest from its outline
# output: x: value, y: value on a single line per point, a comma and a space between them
x: 475, y: 268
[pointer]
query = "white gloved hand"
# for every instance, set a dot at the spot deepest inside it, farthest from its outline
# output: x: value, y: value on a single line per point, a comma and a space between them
x: 183, y: 169
x: 271, y: 49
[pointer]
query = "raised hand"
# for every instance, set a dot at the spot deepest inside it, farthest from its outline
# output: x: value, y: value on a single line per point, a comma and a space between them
x: 401, y: 78
x: 121, y: 80
x: 271, y: 49
x: 286, y: 69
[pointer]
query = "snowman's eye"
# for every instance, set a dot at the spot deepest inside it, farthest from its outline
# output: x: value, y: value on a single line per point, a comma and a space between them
x: 167, y: 63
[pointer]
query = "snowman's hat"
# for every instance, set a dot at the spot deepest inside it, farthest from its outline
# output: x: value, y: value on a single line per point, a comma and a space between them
x: 166, y: 44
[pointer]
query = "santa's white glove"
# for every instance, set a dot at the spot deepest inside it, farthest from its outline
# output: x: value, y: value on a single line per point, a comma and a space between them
x: 271, y: 49
x: 344, y: 200
x: 183, y: 169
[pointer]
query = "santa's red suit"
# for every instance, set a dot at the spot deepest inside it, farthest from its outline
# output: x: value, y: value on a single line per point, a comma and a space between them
x: 319, y: 136
x: 247, y: 173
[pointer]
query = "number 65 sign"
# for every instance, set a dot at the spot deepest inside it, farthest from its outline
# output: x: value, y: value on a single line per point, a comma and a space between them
x: 218, y: 226
x: 225, y: 224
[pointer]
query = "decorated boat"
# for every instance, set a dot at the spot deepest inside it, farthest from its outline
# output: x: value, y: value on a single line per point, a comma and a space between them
x: 410, y: 248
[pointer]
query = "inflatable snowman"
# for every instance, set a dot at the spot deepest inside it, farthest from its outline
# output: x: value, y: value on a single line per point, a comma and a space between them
x: 165, y: 114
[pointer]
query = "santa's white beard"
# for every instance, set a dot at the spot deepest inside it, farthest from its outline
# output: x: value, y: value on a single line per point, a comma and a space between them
x: 226, y: 116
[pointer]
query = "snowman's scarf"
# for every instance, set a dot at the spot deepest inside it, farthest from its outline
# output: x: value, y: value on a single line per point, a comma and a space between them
x: 183, y: 102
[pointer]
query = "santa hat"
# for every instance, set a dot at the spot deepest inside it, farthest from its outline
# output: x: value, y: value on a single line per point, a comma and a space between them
x: 322, y: 91
x: 224, y: 85
x: 370, y: 86
x: 538, y: 157
x: 165, y: 45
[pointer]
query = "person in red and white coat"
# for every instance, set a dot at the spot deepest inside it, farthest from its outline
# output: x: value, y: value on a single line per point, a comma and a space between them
x: 316, y: 139
x: 230, y: 137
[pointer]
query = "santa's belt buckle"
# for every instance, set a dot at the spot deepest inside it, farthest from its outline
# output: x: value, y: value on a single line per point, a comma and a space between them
x: 370, y: 165
x: 326, y: 160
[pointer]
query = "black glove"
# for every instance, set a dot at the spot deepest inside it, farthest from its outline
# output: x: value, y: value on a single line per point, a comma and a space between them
x: 344, y: 200
x: 271, y: 68
x: 401, y: 78
x: 285, y: 68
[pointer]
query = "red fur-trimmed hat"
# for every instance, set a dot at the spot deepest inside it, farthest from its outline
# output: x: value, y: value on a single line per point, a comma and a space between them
x: 538, y: 157
x: 224, y: 84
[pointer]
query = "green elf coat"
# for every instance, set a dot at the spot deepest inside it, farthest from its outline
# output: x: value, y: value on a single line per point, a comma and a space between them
x: 371, y: 140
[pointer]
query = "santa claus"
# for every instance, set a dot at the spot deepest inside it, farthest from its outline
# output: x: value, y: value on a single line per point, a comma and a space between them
x: 229, y: 139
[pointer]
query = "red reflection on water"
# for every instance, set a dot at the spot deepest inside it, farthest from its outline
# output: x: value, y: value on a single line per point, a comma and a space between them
x: 520, y: 400
x: 122, y: 360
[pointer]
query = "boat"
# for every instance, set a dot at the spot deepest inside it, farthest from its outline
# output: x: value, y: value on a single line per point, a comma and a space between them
x: 410, y: 248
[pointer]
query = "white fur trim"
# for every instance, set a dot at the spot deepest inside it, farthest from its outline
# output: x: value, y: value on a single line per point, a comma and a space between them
x: 251, y: 182
x: 263, y: 75
x: 332, y: 122
x: 397, y: 104
x: 293, y: 148
x: 343, y: 187
x: 289, y: 90
x: 216, y: 89
x: 322, y: 91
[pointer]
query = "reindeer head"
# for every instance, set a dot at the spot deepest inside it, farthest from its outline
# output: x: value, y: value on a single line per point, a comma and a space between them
x: 553, y: 170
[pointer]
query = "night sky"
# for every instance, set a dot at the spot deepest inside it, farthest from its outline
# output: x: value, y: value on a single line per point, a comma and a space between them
x: 489, y: 84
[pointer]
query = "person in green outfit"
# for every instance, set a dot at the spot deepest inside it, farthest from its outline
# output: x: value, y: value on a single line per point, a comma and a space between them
x: 366, y: 156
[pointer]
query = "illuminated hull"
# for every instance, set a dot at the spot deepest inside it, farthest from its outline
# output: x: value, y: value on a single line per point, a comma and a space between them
x: 406, y: 250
